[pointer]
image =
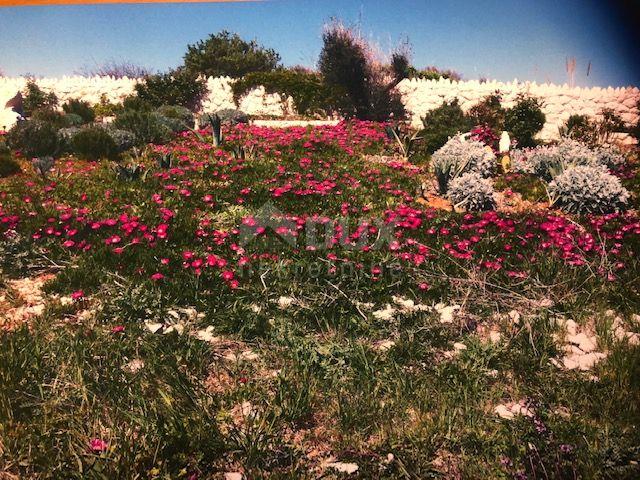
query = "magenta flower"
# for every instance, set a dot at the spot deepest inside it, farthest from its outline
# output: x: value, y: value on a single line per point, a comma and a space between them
x: 77, y: 295
x: 98, y: 445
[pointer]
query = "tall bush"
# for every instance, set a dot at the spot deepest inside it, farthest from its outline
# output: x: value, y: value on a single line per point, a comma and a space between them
x: 36, y: 99
x: 226, y: 54
x: 177, y: 87
x: 442, y: 123
x: 34, y: 138
x: 146, y: 126
x: 80, y: 108
x: 349, y: 63
x: 524, y: 120
x: 488, y: 111
x: 93, y: 143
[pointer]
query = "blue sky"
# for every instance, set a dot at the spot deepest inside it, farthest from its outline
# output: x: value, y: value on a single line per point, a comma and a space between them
x: 528, y: 40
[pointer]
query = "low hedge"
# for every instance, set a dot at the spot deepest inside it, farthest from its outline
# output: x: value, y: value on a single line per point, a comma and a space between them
x: 310, y: 94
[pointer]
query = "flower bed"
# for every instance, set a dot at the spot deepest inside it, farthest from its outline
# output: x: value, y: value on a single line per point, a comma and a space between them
x: 283, y: 304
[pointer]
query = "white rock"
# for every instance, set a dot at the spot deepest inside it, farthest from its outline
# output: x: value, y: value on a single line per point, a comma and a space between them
x: 446, y: 312
x: 342, y: 467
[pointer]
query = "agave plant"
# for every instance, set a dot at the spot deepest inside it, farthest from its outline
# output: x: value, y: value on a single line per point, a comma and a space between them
x: 130, y: 172
x: 459, y: 156
x: 216, y: 126
x: 43, y: 165
x: 406, y: 143
x: 165, y: 160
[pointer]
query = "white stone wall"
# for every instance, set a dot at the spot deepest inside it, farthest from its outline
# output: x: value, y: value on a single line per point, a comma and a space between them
x: 560, y: 101
x: 419, y: 96
x: 89, y: 89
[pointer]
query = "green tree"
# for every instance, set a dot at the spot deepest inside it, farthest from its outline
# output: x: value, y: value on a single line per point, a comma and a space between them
x: 227, y: 54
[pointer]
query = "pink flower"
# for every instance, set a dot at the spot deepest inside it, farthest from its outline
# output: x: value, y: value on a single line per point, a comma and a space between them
x: 117, y: 329
x: 156, y: 277
x: 77, y: 295
x: 423, y: 286
x: 98, y: 445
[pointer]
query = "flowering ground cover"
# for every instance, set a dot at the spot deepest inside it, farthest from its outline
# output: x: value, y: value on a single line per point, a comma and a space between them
x: 287, y: 306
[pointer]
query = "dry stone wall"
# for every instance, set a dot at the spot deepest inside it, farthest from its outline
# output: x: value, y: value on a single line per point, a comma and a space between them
x: 560, y: 101
x: 419, y: 96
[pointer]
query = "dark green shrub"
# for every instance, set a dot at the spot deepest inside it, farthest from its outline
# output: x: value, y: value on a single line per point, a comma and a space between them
x: 8, y: 166
x: 123, y: 139
x: 93, y: 143
x: 176, y: 112
x: 310, y: 94
x: 343, y: 63
x: 177, y: 87
x: 34, y: 138
x: 74, y: 120
x: 524, y: 120
x: 147, y: 127
x: 346, y: 63
x: 54, y: 117
x: 226, y: 54
x: 608, y: 124
x: 134, y: 102
x: 36, y: 99
x: 594, y: 132
x: 488, y: 111
x: 442, y: 123
x: 579, y: 127
x: 175, y: 125
x: 81, y: 108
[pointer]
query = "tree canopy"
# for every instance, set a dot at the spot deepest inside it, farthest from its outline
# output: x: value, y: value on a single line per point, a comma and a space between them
x: 227, y: 54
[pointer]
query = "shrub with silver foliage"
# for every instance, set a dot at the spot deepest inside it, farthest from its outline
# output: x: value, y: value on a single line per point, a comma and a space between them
x: 588, y: 189
x: 548, y: 161
x: 610, y: 157
x: 459, y: 156
x: 472, y: 192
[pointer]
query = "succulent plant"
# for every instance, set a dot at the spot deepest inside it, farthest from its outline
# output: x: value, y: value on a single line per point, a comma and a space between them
x: 165, y: 160
x: 405, y: 141
x: 216, y: 126
x: 129, y: 172
x: 43, y: 165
